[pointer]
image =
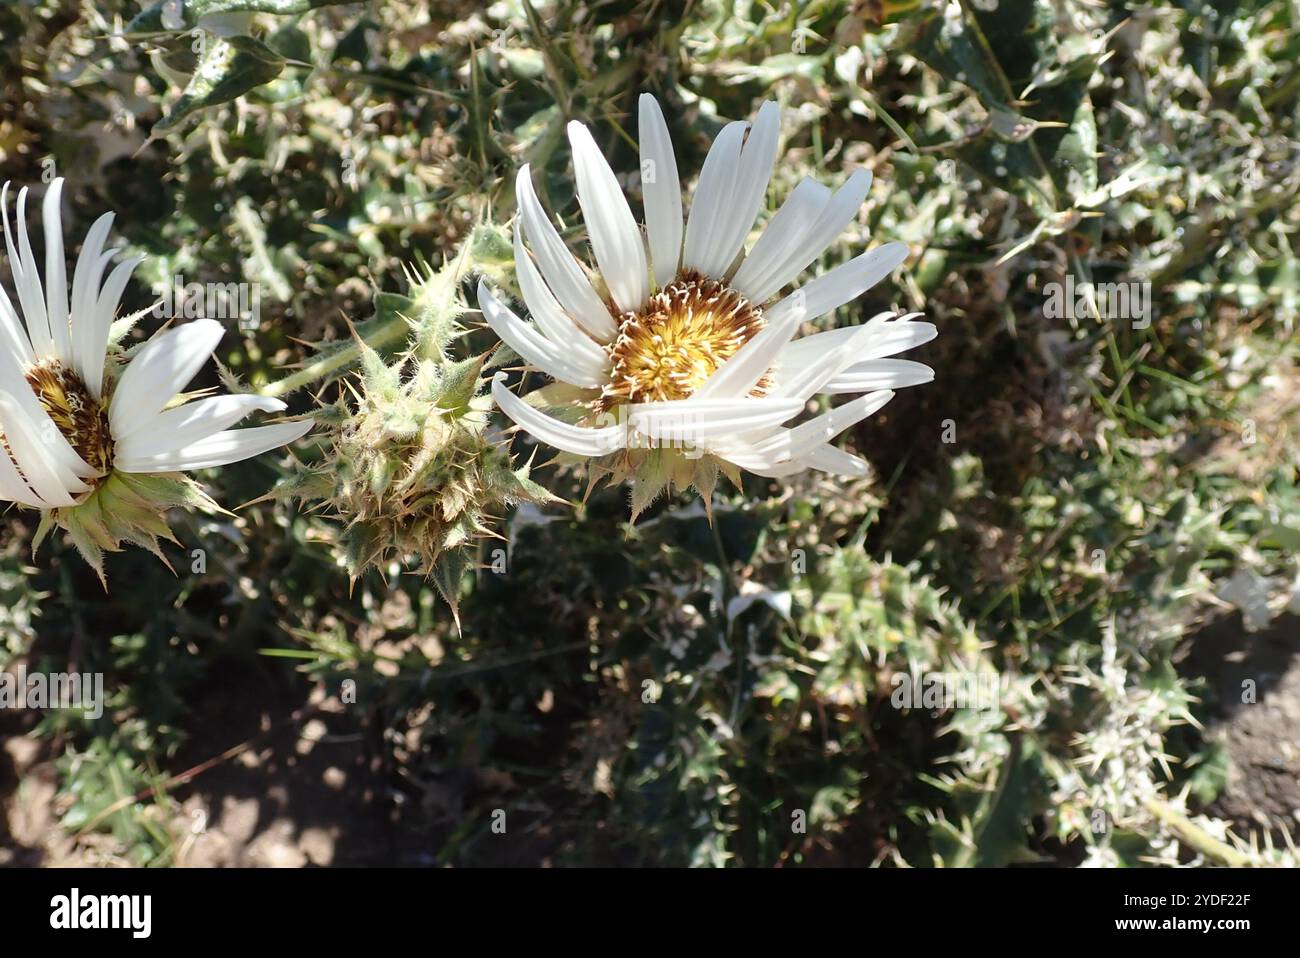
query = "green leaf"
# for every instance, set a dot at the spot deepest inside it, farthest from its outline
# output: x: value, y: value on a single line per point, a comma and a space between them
x: 999, y: 820
x: 228, y: 68
x: 1036, y: 148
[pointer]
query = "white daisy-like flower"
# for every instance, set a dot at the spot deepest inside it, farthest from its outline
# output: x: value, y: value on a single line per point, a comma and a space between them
x: 74, y: 416
x: 682, y: 338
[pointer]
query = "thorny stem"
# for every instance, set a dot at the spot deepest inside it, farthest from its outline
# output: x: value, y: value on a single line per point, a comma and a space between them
x: 1195, y: 836
x: 392, y: 331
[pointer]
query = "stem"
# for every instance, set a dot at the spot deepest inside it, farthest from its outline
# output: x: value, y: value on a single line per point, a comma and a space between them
x: 724, y: 564
x: 1198, y: 838
x: 394, y: 329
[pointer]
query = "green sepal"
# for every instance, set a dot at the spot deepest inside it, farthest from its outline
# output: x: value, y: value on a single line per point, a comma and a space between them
x: 125, y: 507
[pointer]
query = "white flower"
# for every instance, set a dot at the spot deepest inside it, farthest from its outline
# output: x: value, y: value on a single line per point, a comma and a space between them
x: 684, y: 339
x: 71, y: 417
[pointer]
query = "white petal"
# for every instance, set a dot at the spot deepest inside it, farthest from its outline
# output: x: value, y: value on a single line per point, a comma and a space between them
x: 759, y: 467
x: 824, y: 457
x: 56, y: 280
x: 751, y: 179
x: 615, y: 237
x: 27, y: 282
x: 162, y: 368
x: 891, y: 338
x: 579, y: 440
x: 560, y: 270
x: 712, y: 198
x: 220, y: 449
x: 176, y: 428
x: 900, y: 336
x: 838, y: 213
x: 557, y: 361
x: 547, y: 313
x: 874, y: 374
x: 779, y: 471
x: 13, y: 488
x: 13, y: 335
x: 661, y: 190
x: 739, y: 374
x: 690, y: 420
x: 807, y: 378
x: 99, y: 322
x: 50, y: 481
x: 751, y: 458
x: 845, y: 282
x: 14, y: 381
x: 829, y: 459
x: 796, y: 443
x: 782, y: 235
x: 91, y: 262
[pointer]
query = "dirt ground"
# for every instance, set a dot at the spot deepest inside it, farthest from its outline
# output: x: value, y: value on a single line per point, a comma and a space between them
x: 1261, y: 738
x: 303, y: 787
x: 299, y: 791
x: 279, y: 776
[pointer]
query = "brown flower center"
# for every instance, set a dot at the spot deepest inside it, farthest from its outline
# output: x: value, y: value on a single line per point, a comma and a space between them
x: 81, y: 418
x: 679, y: 337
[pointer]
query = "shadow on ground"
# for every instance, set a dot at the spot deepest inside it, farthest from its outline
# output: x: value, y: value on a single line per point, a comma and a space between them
x: 1253, y: 707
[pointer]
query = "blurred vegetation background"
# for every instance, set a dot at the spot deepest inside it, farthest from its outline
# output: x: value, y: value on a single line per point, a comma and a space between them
x: 1101, y: 511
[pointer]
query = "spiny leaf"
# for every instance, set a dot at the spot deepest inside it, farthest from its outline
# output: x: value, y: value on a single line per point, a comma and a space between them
x: 228, y: 68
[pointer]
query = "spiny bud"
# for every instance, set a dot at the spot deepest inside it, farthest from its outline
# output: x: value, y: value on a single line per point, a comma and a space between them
x: 411, y: 473
x: 433, y: 308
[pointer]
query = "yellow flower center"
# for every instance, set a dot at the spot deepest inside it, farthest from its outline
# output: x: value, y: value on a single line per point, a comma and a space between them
x: 679, y: 337
x: 81, y: 418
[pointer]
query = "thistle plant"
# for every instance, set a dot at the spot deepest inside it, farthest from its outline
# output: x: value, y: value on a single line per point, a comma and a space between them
x: 683, y: 361
x: 94, y: 435
x: 413, y: 473
x: 1080, y: 509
